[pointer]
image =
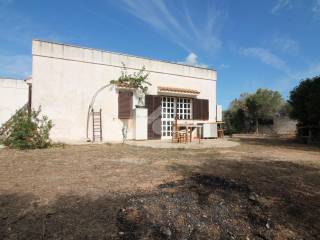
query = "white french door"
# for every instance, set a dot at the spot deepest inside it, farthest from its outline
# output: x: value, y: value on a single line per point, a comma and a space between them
x: 171, y: 107
x: 167, y: 116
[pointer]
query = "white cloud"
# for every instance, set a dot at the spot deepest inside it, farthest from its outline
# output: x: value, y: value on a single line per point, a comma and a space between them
x: 16, y: 66
x: 286, y: 45
x: 156, y: 14
x: 309, y: 72
x: 224, y: 66
x: 280, y: 5
x: 179, y: 27
x: 192, y: 60
x: 289, y: 4
x: 289, y: 81
x: 265, y: 56
x: 19, y: 29
x: 316, y: 8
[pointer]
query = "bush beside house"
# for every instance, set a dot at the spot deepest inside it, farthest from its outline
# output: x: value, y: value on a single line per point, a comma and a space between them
x: 28, y: 130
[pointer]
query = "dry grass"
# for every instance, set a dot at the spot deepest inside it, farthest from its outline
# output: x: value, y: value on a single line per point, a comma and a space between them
x: 76, y: 192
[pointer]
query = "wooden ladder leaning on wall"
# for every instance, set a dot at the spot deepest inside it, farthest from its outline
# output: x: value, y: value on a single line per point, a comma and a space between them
x: 96, y: 126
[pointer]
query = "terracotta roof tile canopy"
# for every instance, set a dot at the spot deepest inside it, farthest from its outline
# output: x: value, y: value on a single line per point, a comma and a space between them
x: 178, y: 90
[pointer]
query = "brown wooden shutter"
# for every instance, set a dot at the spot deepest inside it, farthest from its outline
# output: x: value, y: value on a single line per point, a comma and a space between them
x: 125, y: 105
x: 200, y: 109
x: 153, y: 103
x: 205, y: 109
x: 196, y: 109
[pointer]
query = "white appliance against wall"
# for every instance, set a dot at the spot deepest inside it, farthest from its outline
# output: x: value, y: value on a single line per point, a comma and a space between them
x: 219, y: 113
x: 210, y: 130
x: 140, y: 123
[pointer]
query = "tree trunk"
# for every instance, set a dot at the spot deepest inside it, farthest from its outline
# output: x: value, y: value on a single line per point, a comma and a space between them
x: 257, y: 126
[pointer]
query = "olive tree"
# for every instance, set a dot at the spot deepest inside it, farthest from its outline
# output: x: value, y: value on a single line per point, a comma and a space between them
x: 246, y: 112
x: 263, y: 104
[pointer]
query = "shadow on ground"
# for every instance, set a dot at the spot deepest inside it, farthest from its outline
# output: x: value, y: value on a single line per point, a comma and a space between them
x: 69, y: 217
x: 218, y: 198
x: 289, y: 143
x: 287, y: 193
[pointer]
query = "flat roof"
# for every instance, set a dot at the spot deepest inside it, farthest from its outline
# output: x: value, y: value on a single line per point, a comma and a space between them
x: 10, y: 78
x: 124, y: 54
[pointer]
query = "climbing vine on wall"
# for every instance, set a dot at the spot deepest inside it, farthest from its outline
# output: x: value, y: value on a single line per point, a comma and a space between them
x: 136, y: 80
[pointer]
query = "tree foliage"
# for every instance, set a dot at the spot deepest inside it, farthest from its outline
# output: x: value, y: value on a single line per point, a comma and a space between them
x: 236, y: 117
x: 29, y: 131
x: 305, y: 102
x: 263, y: 104
x: 247, y: 111
x: 137, y: 80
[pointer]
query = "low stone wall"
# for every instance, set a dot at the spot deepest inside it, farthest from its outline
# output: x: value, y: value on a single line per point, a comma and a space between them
x: 280, y: 126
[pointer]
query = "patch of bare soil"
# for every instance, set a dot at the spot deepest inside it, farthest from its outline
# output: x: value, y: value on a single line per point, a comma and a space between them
x: 210, y: 207
x: 199, y: 207
x: 260, y: 190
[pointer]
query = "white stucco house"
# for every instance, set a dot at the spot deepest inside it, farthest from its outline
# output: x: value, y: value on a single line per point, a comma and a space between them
x: 13, y: 96
x: 69, y: 82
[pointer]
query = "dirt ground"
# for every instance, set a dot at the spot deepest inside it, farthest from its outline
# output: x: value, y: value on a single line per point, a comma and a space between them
x: 262, y: 189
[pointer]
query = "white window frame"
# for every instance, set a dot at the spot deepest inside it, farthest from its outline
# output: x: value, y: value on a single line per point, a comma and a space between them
x: 170, y: 107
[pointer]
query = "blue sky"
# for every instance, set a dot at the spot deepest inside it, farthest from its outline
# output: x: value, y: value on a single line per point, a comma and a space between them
x: 266, y: 43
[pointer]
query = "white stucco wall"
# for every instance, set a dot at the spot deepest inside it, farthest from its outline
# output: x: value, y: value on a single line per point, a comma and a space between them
x: 13, y: 96
x: 65, y: 78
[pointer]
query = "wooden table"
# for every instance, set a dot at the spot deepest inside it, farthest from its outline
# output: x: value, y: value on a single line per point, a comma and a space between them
x: 192, y: 126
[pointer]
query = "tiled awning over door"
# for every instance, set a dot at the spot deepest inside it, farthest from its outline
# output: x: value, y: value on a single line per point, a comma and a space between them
x: 175, y: 90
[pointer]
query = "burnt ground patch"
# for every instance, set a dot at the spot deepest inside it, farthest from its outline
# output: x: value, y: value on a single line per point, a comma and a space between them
x: 69, y: 217
x: 201, y: 206
x: 288, y: 193
x: 198, y: 207
x: 122, y: 192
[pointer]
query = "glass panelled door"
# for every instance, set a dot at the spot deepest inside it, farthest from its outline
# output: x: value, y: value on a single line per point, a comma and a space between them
x: 171, y: 107
x: 183, y: 108
x: 167, y: 116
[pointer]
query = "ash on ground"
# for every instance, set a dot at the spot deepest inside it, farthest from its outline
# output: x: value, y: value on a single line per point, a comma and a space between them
x: 199, y: 207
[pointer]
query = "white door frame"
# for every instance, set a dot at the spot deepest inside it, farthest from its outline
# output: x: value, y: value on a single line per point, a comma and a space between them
x: 168, y: 113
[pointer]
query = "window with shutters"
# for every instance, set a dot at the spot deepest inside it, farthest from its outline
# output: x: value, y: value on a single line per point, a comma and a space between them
x: 125, y: 105
x: 200, y: 109
x: 183, y: 108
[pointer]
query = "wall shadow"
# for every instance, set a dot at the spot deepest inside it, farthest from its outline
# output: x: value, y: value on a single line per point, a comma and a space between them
x: 218, y: 199
x: 69, y: 217
x: 221, y: 197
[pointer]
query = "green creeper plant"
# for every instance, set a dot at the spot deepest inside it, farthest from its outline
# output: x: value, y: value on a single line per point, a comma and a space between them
x: 137, y: 80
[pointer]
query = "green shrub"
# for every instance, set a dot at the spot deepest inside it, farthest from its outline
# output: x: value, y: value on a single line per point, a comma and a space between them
x: 28, y: 131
